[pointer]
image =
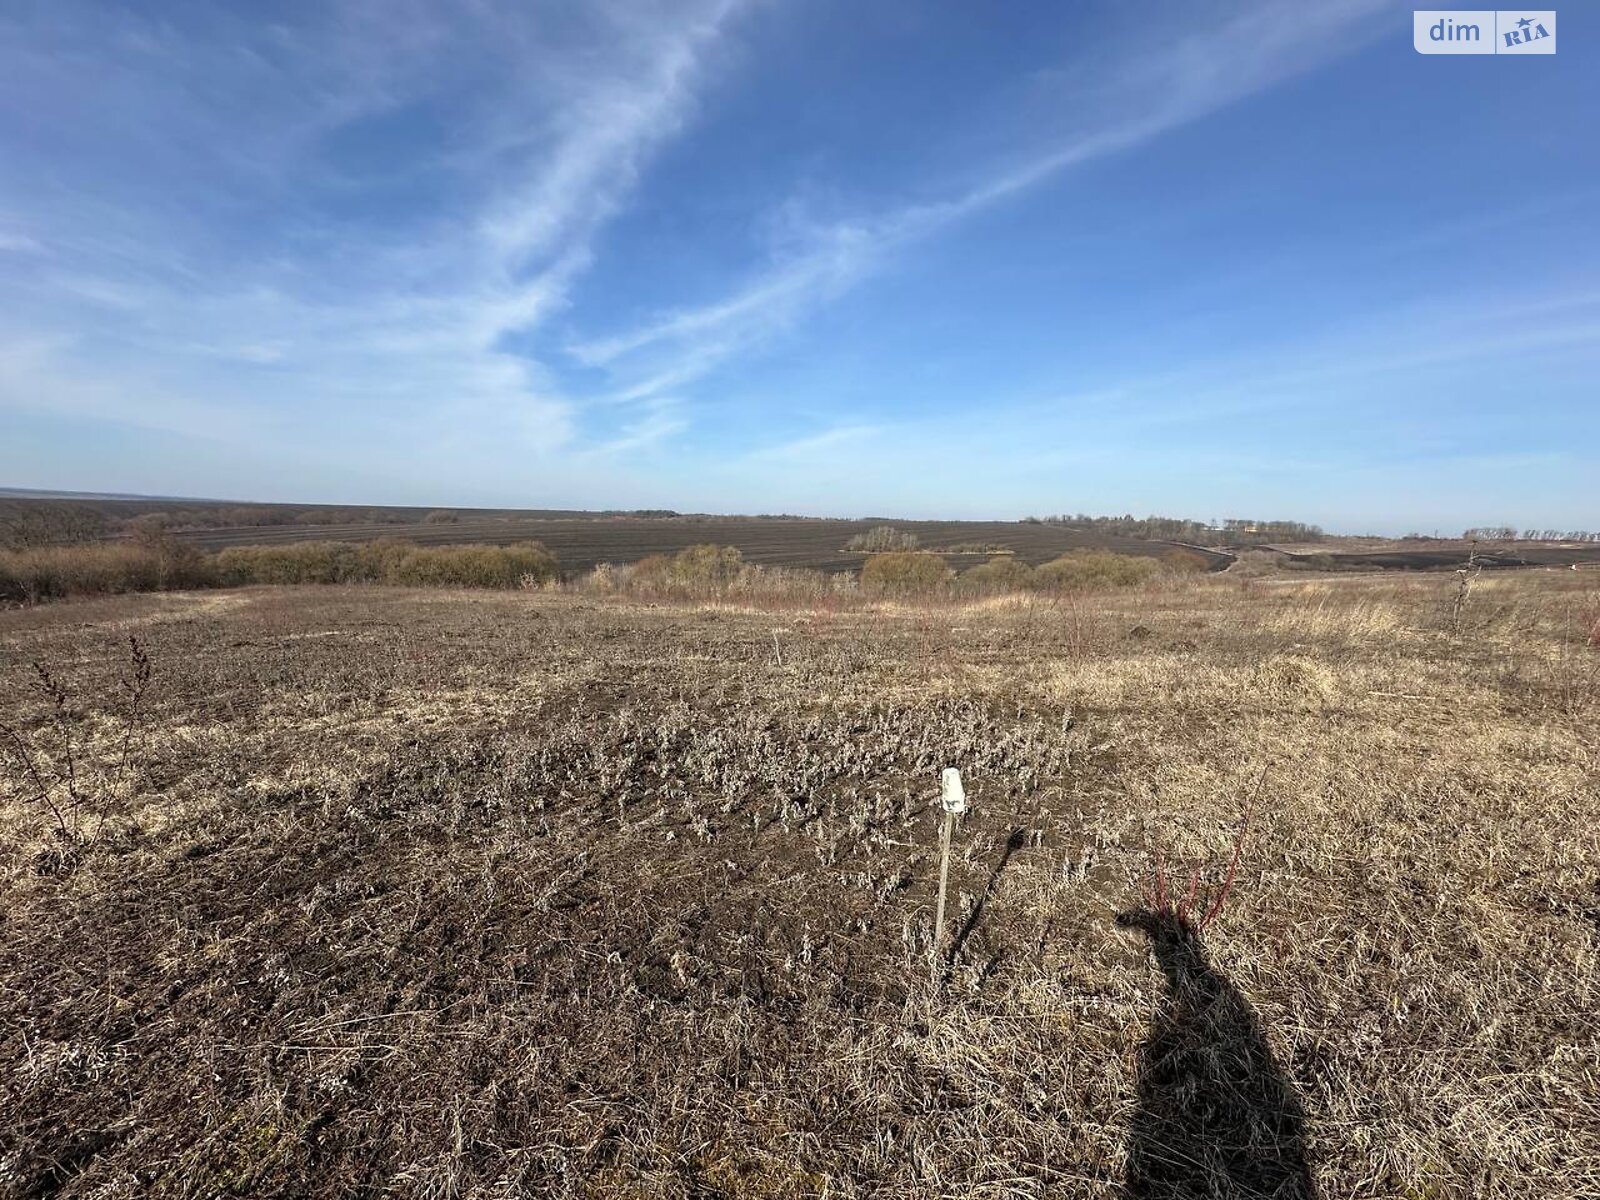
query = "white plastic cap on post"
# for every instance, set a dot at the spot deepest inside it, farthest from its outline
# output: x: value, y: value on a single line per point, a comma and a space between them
x: 951, y: 793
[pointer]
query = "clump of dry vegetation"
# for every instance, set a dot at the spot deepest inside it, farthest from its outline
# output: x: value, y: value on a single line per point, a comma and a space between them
x: 926, y: 576
x: 75, y: 792
x: 26, y: 525
x: 711, y: 572
x: 1091, y: 570
x: 881, y: 538
x: 391, y: 562
x: 41, y: 573
x: 1002, y: 573
x: 487, y: 893
x: 718, y: 574
x: 906, y: 574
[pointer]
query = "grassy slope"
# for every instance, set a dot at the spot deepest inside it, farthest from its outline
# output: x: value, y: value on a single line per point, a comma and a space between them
x: 486, y: 894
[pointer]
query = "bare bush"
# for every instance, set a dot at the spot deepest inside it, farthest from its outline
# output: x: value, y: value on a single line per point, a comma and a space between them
x: 1095, y: 570
x: 54, y: 572
x: 707, y: 569
x: 1167, y: 905
x: 475, y: 566
x: 1185, y: 562
x: 1466, y: 576
x: 710, y: 572
x: 604, y: 580
x: 388, y: 561
x: 905, y: 575
x: 1002, y: 573
x: 65, y: 773
x: 29, y: 524
x: 881, y: 538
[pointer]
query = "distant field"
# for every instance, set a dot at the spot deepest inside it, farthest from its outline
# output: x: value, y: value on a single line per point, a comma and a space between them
x: 584, y: 539
x: 781, y: 542
x: 1449, y: 555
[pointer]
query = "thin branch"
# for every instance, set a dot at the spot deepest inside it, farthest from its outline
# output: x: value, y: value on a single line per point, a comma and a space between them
x: 134, y: 684
x: 1233, y: 861
x: 42, y: 791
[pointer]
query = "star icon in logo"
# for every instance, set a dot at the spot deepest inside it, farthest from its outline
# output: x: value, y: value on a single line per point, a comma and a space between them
x: 1525, y: 22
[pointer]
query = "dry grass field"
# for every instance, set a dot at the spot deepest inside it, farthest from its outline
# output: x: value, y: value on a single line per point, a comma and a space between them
x: 450, y: 894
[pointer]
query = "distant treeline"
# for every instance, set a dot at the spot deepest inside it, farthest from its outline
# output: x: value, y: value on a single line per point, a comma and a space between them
x: 1232, y: 531
x: 160, y: 563
x: 27, y: 522
x: 1509, y: 533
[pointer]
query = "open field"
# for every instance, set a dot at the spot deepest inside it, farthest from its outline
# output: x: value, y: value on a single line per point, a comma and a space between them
x: 1399, y: 555
x: 436, y: 893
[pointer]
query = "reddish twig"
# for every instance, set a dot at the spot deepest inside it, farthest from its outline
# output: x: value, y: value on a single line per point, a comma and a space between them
x: 1159, y: 895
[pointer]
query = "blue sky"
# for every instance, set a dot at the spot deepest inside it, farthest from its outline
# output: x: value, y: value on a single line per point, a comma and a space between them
x: 899, y: 257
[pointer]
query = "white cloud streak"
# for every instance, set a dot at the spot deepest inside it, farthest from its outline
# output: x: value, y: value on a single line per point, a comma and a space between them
x: 1162, y: 89
x: 336, y: 317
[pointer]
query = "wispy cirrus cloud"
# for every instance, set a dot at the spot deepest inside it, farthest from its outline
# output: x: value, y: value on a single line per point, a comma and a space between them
x: 530, y: 251
x: 1338, y: 368
x: 655, y: 421
x: 807, y: 449
x: 1157, y: 88
x: 1347, y: 383
x: 294, y: 272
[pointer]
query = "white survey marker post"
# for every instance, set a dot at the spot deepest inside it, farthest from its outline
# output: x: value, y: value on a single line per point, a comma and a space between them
x: 954, y: 799
x: 951, y: 792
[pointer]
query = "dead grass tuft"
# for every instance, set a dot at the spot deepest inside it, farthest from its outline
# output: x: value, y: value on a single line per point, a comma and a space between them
x: 1291, y: 679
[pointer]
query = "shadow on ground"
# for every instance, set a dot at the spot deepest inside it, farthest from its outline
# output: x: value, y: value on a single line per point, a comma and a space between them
x: 1217, y: 1117
x: 1015, y: 842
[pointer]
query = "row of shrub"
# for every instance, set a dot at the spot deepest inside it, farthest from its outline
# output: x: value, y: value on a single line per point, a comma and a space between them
x: 160, y: 564
x: 711, y: 572
x: 704, y: 572
x: 882, y: 537
x: 97, y: 569
x: 524, y: 564
x: 913, y: 574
